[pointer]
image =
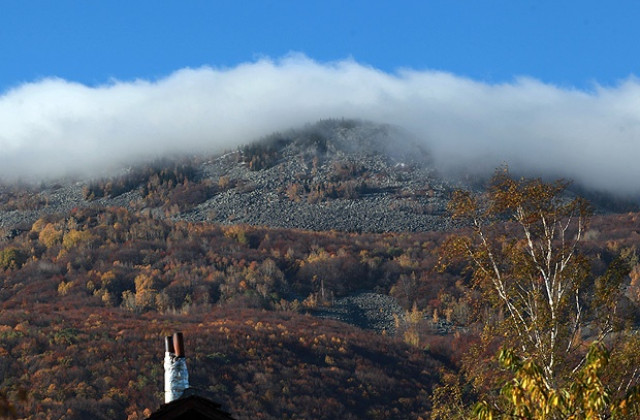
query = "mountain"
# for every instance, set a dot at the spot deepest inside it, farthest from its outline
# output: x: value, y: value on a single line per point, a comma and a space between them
x: 335, y: 174
x: 347, y: 175
x: 300, y: 268
x: 282, y: 321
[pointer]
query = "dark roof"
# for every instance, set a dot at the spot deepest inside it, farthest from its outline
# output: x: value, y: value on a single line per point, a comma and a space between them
x: 193, y: 408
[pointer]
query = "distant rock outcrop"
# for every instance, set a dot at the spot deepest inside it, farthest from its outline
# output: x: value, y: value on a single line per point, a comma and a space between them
x: 343, y: 175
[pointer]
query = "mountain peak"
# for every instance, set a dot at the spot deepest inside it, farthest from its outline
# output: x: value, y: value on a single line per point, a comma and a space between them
x: 331, y: 137
x: 335, y: 174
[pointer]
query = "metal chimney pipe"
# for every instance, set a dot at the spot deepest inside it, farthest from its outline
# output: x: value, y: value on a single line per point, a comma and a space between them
x: 178, y: 344
x: 176, y: 376
x: 168, y: 344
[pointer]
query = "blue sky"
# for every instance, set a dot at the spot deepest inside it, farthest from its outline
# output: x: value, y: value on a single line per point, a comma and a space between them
x: 548, y: 87
x: 569, y: 43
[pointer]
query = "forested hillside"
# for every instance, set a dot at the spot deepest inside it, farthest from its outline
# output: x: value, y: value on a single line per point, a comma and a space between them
x: 373, y: 310
x: 87, y: 297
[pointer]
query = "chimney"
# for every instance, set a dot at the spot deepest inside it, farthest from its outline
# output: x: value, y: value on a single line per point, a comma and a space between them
x: 176, y: 377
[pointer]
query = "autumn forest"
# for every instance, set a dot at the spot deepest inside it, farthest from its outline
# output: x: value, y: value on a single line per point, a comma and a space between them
x: 87, y: 295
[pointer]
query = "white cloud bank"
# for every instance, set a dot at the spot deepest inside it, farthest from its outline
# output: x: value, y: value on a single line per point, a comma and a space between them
x: 55, y: 127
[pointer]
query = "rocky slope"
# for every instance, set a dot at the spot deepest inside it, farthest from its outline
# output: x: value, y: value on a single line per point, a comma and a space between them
x: 371, y: 311
x: 336, y: 174
x: 381, y: 192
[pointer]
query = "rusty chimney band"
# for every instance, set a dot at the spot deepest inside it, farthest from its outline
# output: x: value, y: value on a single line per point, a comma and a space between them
x: 168, y: 344
x: 178, y: 344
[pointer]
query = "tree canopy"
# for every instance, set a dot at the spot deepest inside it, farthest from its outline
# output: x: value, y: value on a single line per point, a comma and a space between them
x: 545, y: 308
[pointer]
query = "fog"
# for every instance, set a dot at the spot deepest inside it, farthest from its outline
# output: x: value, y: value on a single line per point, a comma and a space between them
x: 54, y: 127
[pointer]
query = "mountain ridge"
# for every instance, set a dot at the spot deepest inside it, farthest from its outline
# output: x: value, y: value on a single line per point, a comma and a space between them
x: 335, y: 174
x: 348, y: 175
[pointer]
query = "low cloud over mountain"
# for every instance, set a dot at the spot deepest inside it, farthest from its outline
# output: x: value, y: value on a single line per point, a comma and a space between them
x: 55, y: 127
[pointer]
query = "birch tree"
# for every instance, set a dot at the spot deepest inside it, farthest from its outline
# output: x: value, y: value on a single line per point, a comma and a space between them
x: 523, y: 250
x: 587, y: 397
x: 523, y: 253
